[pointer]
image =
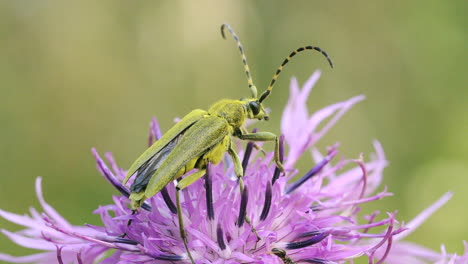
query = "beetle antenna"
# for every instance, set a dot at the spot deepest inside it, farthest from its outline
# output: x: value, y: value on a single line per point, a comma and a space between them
x: 252, y: 87
x: 280, y: 68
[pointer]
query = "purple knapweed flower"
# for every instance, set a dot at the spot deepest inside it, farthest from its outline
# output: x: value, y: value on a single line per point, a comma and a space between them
x: 314, y: 219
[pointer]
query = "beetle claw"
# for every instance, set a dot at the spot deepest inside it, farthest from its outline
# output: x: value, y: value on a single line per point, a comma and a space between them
x: 279, y: 165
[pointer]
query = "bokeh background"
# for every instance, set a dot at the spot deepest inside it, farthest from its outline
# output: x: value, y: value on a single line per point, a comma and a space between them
x: 82, y: 74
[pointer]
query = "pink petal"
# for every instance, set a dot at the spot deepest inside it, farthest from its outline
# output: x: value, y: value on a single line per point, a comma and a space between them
x: 36, y: 258
x: 49, y: 209
x: 23, y: 220
x: 321, y: 115
x: 419, y: 219
x: 27, y: 242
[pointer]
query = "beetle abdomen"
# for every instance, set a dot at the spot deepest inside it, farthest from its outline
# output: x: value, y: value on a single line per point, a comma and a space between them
x: 216, y: 154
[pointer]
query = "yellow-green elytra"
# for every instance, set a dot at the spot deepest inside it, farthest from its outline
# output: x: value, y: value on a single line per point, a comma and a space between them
x: 202, y: 137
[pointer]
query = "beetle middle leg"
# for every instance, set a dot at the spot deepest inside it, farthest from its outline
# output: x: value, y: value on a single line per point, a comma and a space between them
x: 265, y: 136
x: 240, y: 174
x: 182, y: 184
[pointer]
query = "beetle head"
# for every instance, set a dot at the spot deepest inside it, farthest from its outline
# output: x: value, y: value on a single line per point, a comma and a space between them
x: 255, y: 109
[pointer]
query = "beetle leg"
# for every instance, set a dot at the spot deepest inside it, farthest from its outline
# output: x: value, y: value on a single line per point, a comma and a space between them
x: 256, y: 146
x: 129, y: 222
x: 182, y: 184
x: 240, y: 174
x: 188, y: 180
x: 265, y: 136
x: 237, y: 167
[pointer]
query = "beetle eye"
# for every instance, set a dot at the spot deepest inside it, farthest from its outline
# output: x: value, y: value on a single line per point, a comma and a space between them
x: 255, y: 106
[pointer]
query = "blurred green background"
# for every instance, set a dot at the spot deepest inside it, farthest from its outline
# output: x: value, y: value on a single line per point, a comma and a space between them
x: 76, y: 75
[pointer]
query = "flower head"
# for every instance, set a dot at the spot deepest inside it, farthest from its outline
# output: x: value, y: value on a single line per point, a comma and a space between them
x: 315, y: 219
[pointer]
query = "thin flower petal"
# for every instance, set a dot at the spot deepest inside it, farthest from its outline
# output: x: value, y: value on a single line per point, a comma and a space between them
x: 421, y: 217
x: 45, y: 258
x: 47, y: 208
x: 300, y: 130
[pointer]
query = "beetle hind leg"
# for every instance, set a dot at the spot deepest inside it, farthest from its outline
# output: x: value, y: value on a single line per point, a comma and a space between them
x: 182, y: 184
x: 129, y: 222
x: 137, y: 200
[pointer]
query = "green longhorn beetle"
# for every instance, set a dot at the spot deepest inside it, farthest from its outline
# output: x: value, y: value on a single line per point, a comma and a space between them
x: 202, y: 137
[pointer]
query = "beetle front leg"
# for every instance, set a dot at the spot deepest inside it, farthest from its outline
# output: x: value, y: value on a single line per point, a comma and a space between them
x: 265, y: 136
x: 256, y: 146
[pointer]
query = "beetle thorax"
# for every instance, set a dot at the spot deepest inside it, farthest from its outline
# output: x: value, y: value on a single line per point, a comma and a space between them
x: 232, y: 110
